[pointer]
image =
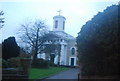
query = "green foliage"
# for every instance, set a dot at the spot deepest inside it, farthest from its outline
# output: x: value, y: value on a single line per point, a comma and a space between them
x: 40, y: 63
x: 14, y: 62
x: 39, y: 73
x: 51, y: 63
x: 5, y: 63
x: 10, y: 48
x: 97, y: 44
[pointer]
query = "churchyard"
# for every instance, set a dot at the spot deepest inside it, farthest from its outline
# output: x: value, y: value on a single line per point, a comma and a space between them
x: 94, y: 50
x: 39, y: 73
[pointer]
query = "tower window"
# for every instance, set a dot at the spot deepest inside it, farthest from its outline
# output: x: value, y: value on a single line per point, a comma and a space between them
x: 56, y: 24
x: 73, y: 51
x: 63, y: 25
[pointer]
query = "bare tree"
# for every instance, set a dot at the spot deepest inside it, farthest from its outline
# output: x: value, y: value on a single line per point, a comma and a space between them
x: 34, y: 35
x: 1, y: 19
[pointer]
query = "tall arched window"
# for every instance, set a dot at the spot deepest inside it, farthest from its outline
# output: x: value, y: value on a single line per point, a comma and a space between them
x: 56, y: 24
x: 63, y: 25
x: 73, y: 51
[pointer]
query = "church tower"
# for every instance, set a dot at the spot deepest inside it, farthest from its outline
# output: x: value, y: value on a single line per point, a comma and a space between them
x: 59, y: 22
x: 66, y: 54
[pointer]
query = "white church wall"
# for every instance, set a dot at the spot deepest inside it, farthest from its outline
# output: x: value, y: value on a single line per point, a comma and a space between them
x: 60, y: 24
x: 71, y: 44
x: 56, y: 59
x: 65, y: 55
x: 42, y: 55
x: 62, y: 56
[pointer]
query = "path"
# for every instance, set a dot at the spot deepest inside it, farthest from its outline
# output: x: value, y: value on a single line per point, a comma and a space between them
x: 71, y: 75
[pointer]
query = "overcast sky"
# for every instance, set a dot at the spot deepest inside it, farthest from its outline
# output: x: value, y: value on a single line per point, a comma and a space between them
x: 77, y: 13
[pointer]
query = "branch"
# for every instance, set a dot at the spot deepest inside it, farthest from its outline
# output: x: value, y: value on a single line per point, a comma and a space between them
x: 27, y: 34
x: 1, y: 13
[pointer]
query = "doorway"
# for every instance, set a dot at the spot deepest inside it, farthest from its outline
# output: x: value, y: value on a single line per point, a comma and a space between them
x: 72, y: 61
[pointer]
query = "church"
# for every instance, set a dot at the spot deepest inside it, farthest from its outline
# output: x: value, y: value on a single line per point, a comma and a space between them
x: 68, y: 51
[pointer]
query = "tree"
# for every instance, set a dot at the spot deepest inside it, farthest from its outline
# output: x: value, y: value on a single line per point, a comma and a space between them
x: 1, y: 19
x: 97, y: 43
x: 53, y: 48
x: 10, y: 48
x: 34, y: 35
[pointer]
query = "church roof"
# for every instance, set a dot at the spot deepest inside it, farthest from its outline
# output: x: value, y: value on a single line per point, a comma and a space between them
x: 59, y: 16
x: 63, y: 35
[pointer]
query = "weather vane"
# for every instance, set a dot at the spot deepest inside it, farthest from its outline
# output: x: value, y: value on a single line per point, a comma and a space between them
x: 59, y: 12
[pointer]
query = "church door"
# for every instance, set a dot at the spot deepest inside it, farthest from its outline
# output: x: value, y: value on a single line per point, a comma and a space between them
x: 52, y: 56
x: 72, y: 61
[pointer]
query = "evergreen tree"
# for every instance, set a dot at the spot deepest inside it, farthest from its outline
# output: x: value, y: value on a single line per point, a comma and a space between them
x: 97, y: 43
x: 10, y: 48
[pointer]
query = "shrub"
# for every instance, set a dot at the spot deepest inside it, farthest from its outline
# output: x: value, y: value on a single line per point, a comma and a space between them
x: 51, y: 63
x: 40, y: 63
x: 14, y: 62
x: 4, y: 63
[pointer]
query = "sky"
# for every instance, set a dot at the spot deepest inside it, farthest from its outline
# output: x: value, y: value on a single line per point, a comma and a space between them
x: 77, y: 13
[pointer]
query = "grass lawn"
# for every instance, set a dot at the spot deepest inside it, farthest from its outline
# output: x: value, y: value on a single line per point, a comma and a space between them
x: 36, y: 73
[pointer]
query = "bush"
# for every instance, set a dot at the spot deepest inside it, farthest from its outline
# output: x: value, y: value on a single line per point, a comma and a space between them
x: 14, y: 62
x: 51, y: 63
x: 11, y: 63
x: 40, y: 63
x: 5, y: 63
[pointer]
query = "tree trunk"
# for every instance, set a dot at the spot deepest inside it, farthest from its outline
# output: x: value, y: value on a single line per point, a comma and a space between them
x: 35, y: 52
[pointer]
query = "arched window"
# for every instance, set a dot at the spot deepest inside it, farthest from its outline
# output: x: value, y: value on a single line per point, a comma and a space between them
x: 73, y: 51
x: 56, y: 24
x: 63, y: 25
